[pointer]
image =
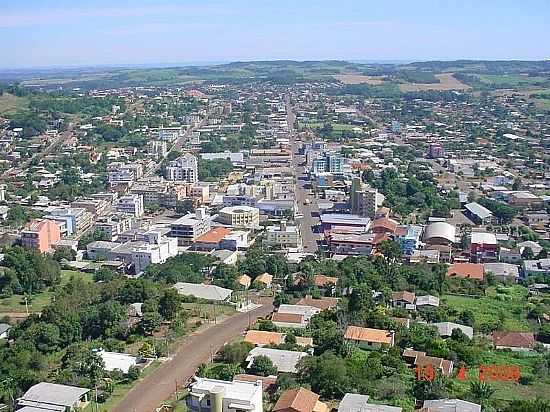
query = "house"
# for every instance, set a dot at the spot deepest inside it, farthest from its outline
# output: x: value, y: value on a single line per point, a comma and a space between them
x: 269, y: 383
x: 403, y: 299
x: 473, y: 271
x: 427, y: 301
x: 284, y: 360
x: 299, y: 400
x: 264, y: 280
x: 4, y: 330
x: 323, y: 303
x: 261, y: 337
x: 503, y: 271
x: 245, y: 281
x: 450, y: 405
x: 369, y: 337
x: 48, y: 397
x: 289, y: 314
x: 536, y: 267
x: 421, y: 360
x: 207, y: 292
x: 115, y: 360
x: 212, y: 395
x: 211, y: 239
x: 515, y: 341
x: 445, y: 329
x: 288, y: 320
x: 353, y: 402
x: 323, y: 281
x: 483, y: 247
x: 478, y: 214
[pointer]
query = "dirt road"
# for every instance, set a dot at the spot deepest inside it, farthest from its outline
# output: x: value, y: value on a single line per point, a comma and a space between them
x: 196, y: 349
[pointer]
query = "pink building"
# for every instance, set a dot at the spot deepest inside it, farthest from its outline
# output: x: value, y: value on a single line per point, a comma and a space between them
x: 40, y: 234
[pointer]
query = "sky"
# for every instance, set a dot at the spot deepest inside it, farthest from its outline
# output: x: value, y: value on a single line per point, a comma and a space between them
x: 41, y: 33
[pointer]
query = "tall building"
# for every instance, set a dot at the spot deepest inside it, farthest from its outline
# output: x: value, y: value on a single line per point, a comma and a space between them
x: 40, y: 235
x: 435, y: 151
x: 131, y: 205
x: 157, y: 148
x: 328, y: 162
x: 184, y: 168
x: 191, y: 226
x: 364, y: 199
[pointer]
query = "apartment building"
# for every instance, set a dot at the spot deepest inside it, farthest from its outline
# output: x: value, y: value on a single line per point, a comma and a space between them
x: 112, y: 226
x: 240, y: 216
x: 283, y: 236
x: 190, y: 227
x: 184, y: 168
x: 40, y: 234
x: 211, y: 395
x: 131, y: 205
x: 74, y: 221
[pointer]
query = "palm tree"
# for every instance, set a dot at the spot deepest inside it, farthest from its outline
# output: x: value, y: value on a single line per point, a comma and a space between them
x: 481, y: 391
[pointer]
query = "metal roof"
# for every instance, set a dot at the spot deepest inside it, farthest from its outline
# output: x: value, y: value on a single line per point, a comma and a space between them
x: 208, y: 292
x: 478, y: 210
x: 52, y: 394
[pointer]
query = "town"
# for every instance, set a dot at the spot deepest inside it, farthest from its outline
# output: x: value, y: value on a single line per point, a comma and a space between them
x: 288, y: 243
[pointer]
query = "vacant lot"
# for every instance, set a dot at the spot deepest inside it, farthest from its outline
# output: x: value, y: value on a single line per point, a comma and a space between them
x: 10, y: 104
x: 446, y: 82
x: 359, y: 78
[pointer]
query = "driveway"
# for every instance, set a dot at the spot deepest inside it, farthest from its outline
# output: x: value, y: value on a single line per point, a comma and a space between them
x: 196, y: 348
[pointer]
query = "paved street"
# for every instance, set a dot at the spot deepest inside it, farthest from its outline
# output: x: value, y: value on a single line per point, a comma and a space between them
x: 195, y: 349
x: 306, y: 222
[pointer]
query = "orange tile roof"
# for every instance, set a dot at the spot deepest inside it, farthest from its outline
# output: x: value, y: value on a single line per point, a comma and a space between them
x: 264, y: 278
x: 514, y: 339
x: 407, y: 296
x: 322, y: 280
x: 287, y: 317
x: 214, y: 235
x: 369, y: 335
x: 244, y: 280
x: 324, y: 303
x: 299, y: 400
x: 261, y: 337
x: 466, y: 271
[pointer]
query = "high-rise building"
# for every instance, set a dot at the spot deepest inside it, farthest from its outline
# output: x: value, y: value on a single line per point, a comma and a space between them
x: 184, y: 168
x: 40, y: 235
x: 364, y: 199
x: 131, y: 205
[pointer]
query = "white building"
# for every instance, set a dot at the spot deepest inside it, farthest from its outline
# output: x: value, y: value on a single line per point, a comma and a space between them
x: 184, y: 168
x: 284, y: 360
x: 131, y: 205
x: 212, y: 395
x: 240, y: 216
x: 207, y: 292
x: 283, y: 236
x: 115, y: 360
x: 191, y: 226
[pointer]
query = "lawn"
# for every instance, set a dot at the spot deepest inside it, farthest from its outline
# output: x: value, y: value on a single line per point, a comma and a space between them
x: 501, y: 304
x: 10, y: 104
x: 208, y: 310
x: 16, y: 303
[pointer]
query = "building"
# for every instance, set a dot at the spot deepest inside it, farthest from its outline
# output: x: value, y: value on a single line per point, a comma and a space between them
x: 445, y: 329
x: 440, y: 233
x: 478, y: 214
x: 4, y: 330
x: 211, y: 239
x: 212, y: 395
x: 240, y: 216
x: 49, y: 397
x: 131, y: 205
x: 113, y: 225
x: 184, y: 168
x: 419, y: 359
x: 284, y: 360
x: 369, y: 337
x: 294, y: 316
x: 450, y: 405
x: 299, y: 400
x: 515, y: 341
x: 536, y: 267
x: 283, y: 236
x: 157, y: 148
x: 473, y: 271
x: 505, y: 272
x: 338, y: 220
x: 262, y: 338
x: 427, y: 301
x: 75, y: 220
x: 120, y: 361
x: 404, y: 299
x: 364, y: 200
x: 40, y: 235
x: 190, y: 227
x: 200, y: 291
x: 483, y: 247
x: 323, y: 303
x: 353, y: 402
x: 410, y: 240
x: 435, y: 151
x: 264, y: 280
x: 124, y: 174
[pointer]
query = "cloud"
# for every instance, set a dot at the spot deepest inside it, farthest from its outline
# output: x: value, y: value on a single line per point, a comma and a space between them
x: 69, y: 16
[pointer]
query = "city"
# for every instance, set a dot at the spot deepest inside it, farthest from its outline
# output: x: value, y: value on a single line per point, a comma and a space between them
x: 276, y: 235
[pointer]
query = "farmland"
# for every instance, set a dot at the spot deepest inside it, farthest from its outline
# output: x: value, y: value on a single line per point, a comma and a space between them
x: 446, y: 82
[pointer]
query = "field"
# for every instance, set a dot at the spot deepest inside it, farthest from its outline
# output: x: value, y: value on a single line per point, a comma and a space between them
x: 490, y: 310
x: 358, y: 79
x: 512, y: 80
x: 16, y: 303
x: 10, y: 104
x: 446, y: 82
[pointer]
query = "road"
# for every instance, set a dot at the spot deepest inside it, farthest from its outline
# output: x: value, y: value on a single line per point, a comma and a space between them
x: 160, y: 385
x: 305, y: 223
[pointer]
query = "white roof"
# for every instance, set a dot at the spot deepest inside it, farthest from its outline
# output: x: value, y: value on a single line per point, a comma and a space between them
x: 237, y: 390
x: 208, y: 292
x: 446, y: 328
x: 305, y: 310
x: 440, y: 230
x: 484, y: 238
x: 427, y: 300
x: 353, y: 402
x: 115, y: 360
x: 451, y: 405
x: 283, y: 360
x: 53, y: 394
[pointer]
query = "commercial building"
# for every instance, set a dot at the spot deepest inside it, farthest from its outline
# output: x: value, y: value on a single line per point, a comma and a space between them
x: 112, y: 226
x: 440, y: 233
x: 331, y: 221
x: 184, y: 168
x: 212, y: 395
x: 190, y: 227
x: 240, y: 216
x: 283, y: 236
x: 364, y: 200
x: 478, y: 214
x: 483, y: 247
x: 410, y: 240
x: 75, y: 221
x: 131, y: 205
x: 40, y: 235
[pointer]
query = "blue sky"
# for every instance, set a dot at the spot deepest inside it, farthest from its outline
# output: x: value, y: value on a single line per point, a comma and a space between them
x: 75, y: 32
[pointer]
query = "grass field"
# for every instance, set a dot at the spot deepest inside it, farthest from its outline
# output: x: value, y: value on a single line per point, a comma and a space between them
x: 16, y: 303
x: 359, y: 78
x: 208, y: 309
x: 10, y: 104
x: 446, y: 82
x: 501, y: 304
x: 512, y: 80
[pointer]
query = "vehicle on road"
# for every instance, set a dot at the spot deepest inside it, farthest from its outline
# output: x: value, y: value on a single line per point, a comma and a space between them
x: 307, y: 202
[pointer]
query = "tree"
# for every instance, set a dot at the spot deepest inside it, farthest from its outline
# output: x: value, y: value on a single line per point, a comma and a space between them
x: 133, y: 373
x: 64, y: 253
x: 169, y: 304
x: 390, y: 249
x: 150, y: 323
x: 481, y: 392
x: 146, y: 350
x: 262, y: 366
x: 327, y: 374
x: 236, y: 352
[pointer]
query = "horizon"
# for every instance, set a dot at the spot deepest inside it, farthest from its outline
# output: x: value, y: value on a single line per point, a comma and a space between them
x: 96, y: 33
